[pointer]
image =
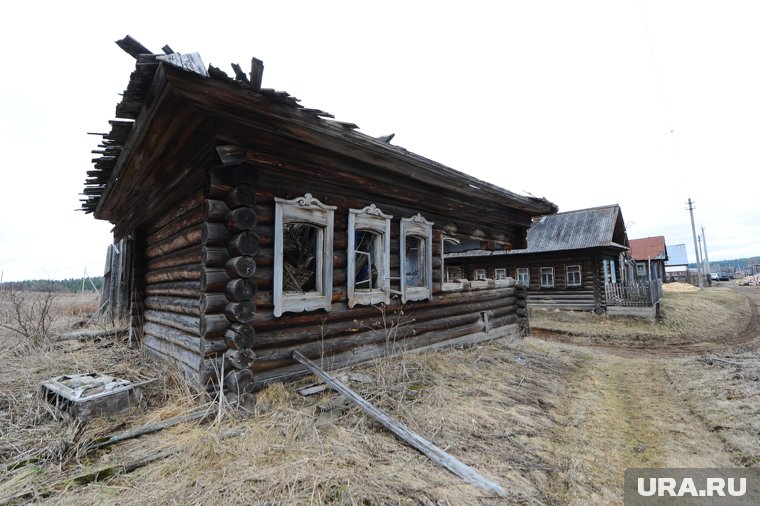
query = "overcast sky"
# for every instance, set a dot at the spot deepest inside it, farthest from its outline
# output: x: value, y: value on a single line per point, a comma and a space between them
x: 641, y: 103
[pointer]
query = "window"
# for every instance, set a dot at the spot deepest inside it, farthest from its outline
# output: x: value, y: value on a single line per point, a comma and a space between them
x: 573, y: 275
x: 480, y: 274
x: 523, y: 276
x: 500, y: 273
x: 547, y: 277
x: 303, y: 252
x: 369, y: 250
x: 416, y: 251
x: 641, y: 270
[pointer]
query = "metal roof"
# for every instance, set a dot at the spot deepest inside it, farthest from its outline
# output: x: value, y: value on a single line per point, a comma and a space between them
x: 677, y: 255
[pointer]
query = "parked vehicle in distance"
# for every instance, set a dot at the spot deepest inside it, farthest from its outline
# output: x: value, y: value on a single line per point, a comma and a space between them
x: 724, y: 276
x: 714, y: 276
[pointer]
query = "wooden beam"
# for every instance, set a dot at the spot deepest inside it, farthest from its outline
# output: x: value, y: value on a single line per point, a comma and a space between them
x: 431, y: 451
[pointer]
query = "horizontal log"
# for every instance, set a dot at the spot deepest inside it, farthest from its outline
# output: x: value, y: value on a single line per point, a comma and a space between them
x: 186, y: 323
x: 191, y: 219
x: 172, y: 352
x: 213, y: 302
x: 185, y: 340
x: 213, y: 326
x: 175, y: 288
x: 175, y: 273
x: 215, y: 234
x: 215, y: 210
x: 173, y: 305
x: 243, y: 195
x: 213, y: 280
x: 187, y: 256
x: 240, y: 267
x: 214, y: 256
x: 240, y: 336
x: 182, y: 240
x: 184, y: 207
x: 222, y: 181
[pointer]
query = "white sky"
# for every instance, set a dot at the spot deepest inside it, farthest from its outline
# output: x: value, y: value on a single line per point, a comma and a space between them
x: 641, y: 103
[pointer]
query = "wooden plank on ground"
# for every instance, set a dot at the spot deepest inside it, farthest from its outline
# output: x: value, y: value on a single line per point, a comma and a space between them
x: 431, y: 451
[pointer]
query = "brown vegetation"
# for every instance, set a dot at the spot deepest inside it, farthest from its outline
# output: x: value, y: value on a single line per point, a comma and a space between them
x: 552, y: 422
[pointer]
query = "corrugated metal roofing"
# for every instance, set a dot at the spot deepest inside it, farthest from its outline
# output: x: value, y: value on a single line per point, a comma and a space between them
x: 677, y: 255
x: 584, y: 228
x: 649, y: 248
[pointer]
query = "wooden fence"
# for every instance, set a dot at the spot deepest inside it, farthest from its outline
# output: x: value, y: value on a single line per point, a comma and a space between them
x: 634, y: 293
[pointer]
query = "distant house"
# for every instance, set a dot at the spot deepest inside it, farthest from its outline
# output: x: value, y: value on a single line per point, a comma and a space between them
x: 570, y: 260
x: 677, y: 264
x: 650, y: 255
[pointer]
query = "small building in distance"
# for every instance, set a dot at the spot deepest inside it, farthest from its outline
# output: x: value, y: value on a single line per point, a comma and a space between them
x: 650, y: 255
x: 677, y: 264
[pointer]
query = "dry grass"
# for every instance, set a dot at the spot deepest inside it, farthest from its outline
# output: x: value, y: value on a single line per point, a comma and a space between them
x: 551, y: 422
x: 686, y: 317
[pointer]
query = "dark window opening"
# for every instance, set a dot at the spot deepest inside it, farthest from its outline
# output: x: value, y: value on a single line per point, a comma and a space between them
x: 300, y: 246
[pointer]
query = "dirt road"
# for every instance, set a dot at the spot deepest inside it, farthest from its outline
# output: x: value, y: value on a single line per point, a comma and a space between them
x: 654, y: 408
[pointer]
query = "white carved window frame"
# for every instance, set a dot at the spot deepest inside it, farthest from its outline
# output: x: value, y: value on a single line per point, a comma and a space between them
x: 480, y: 275
x: 500, y: 273
x: 369, y: 219
x: 418, y: 227
x: 309, y: 211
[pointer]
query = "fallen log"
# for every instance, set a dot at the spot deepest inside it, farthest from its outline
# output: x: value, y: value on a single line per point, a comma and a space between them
x: 434, y: 453
x: 94, y: 334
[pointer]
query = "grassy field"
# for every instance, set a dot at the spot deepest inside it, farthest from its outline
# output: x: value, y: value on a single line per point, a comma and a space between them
x: 554, y: 420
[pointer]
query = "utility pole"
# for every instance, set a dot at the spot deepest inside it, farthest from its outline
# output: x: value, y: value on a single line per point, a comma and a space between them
x: 704, y: 245
x: 696, y: 248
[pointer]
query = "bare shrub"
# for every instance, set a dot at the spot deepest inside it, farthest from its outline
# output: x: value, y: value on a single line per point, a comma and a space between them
x: 28, y: 313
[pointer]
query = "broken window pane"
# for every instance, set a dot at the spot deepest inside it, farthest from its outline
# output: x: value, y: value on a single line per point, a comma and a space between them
x: 367, y: 255
x: 415, y: 261
x: 300, y: 250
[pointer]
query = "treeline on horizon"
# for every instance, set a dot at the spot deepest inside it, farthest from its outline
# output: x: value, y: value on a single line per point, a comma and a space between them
x: 72, y: 285
x: 738, y: 264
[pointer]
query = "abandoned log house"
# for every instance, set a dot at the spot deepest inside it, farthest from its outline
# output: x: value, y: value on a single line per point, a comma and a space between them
x: 251, y: 227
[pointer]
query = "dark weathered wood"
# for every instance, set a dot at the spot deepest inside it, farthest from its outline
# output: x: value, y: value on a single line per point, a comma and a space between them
x: 240, y: 312
x: 213, y: 326
x: 213, y: 280
x: 256, y: 74
x: 187, y: 205
x: 423, y: 445
x: 240, y: 289
x: 186, y: 323
x: 215, y: 234
x: 178, y: 288
x: 240, y: 267
x: 244, y: 243
x: 240, y: 359
x: 240, y: 219
x: 223, y: 180
x: 192, y: 342
x: 213, y: 303
x: 215, y: 210
x: 239, y: 381
x: 186, y: 221
x: 173, y: 304
x: 214, y: 257
x: 175, y: 273
x: 241, y: 196
x: 184, y: 239
x: 240, y: 336
x: 93, y: 334
x: 187, y: 256
x: 106, y: 441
